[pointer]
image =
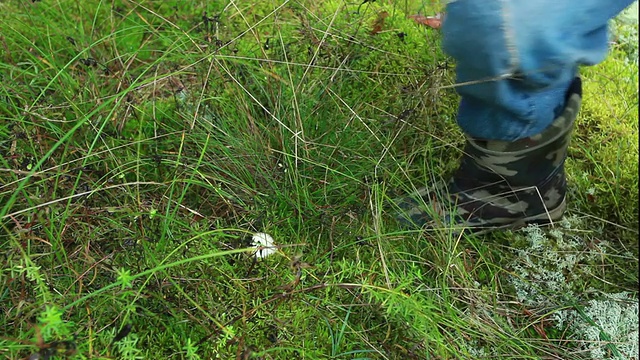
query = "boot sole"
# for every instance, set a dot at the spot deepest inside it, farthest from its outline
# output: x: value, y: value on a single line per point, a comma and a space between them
x: 548, y: 217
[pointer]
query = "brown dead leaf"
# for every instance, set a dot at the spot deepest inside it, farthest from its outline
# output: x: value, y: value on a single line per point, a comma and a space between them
x: 378, y: 24
x: 433, y: 22
x: 175, y: 84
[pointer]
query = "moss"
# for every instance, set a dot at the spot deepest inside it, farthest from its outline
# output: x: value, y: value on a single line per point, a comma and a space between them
x: 603, y: 163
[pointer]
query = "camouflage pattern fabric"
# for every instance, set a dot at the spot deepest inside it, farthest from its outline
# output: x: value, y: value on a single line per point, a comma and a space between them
x: 501, y: 184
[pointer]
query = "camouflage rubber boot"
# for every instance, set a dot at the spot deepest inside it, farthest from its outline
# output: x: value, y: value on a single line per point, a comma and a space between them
x: 501, y: 184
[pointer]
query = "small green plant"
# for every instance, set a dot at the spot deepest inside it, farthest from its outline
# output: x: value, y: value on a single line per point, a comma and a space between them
x: 52, y: 326
x: 128, y: 348
x: 191, y: 350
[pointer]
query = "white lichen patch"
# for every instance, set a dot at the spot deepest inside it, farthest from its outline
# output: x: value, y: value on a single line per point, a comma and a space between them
x: 605, y: 324
x: 545, y: 274
x: 547, y: 262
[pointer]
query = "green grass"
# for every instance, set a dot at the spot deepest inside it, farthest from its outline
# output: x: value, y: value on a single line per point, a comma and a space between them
x: 142, y: 144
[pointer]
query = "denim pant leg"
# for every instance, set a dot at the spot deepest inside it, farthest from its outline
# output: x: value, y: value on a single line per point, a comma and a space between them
x: 519, y: 58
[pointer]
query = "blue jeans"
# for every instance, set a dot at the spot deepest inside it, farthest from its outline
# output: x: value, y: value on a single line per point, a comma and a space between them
x: 518, y: 58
